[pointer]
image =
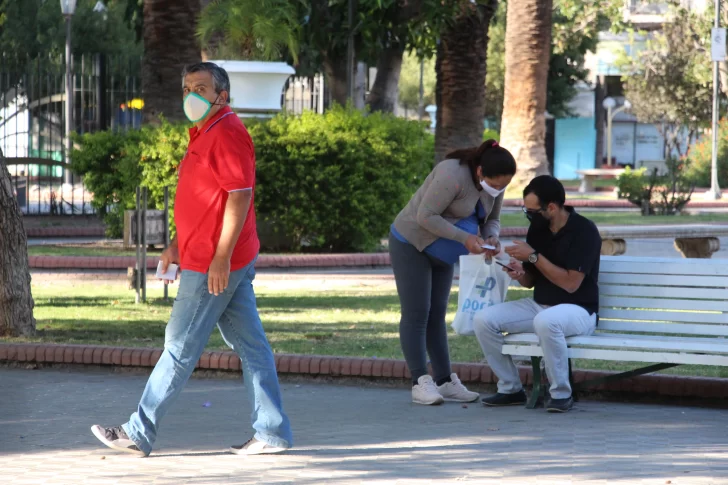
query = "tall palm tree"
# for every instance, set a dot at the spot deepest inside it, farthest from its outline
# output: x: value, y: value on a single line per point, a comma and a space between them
x: 461, y: 68
x: 16, y: 301
x: 169, y: 44
x: 528, y: 48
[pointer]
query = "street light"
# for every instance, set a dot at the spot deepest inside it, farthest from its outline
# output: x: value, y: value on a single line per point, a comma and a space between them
x: 68, y: 8
x: 609, y: 104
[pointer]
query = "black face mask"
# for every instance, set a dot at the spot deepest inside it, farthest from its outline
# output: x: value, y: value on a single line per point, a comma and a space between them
x: 537, y: 219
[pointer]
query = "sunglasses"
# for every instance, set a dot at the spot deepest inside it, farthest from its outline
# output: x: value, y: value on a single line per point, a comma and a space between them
x: 531, y: 212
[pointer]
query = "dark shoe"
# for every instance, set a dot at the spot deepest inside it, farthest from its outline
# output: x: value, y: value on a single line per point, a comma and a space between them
x: 255, y: 447
x: 560, y: 405
x: 515, y: 399
x: 116, y: 439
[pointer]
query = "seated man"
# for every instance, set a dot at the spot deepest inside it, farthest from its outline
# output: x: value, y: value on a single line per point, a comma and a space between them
x: 561, y: 263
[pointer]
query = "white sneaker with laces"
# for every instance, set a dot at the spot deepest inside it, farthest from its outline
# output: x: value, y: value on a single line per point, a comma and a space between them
x: 456, y: 391
x: 255, y: 447
x: 425, y: 392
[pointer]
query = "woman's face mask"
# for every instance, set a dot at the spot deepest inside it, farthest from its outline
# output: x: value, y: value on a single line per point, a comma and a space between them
x: 490, y: 190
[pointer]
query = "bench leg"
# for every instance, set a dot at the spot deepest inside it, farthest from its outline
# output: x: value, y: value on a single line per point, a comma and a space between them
x: 623, y: 375
x: 536, y: 392
x: 697, y: 247
x: 574, y: 394
x: 587, y: 184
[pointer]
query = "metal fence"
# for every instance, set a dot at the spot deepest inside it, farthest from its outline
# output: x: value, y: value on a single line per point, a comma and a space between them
x: 107, y: 95
x: 305, y: 94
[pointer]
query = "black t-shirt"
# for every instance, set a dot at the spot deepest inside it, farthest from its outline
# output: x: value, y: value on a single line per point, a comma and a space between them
x: 577, y: 246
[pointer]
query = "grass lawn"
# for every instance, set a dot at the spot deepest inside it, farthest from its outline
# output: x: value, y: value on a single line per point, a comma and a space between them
x: 354, y: 321
x: 85, y: 250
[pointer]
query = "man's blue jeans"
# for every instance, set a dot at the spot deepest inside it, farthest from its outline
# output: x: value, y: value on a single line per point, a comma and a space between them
x: 194, y: 315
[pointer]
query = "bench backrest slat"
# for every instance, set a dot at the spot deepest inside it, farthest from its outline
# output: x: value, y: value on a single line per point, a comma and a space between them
x: 664, y: 280
x: 663, y: 292
x: 667, y: 296
x: 664, y: 328
x: 657, y: 304
x: 656, y: 266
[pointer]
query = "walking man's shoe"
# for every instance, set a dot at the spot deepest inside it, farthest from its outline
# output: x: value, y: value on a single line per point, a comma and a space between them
x: 516, y: 399
x: 560, y: 405
x: 255, y: 447
x: 116, y: 439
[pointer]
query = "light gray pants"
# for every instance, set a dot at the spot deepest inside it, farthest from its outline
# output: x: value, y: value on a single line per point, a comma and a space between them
x: 551, y: 324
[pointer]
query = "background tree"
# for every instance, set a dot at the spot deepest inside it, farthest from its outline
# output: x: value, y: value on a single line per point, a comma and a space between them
x: 669, y: 85
x: 409, y: 83
x: 523, y: 129
x: 30, y: 29
x: 461, y: 69
x: 169, y: 44
x: 16, y: 300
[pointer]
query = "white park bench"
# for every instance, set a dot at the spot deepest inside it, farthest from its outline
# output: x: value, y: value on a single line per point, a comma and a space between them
x: 590, y: 175
x: 665, y: 312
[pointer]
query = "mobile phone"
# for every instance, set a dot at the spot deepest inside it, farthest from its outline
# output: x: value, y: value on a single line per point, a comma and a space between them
x: 488, y: 246
x: 505, y: 266
x: 171, y: 273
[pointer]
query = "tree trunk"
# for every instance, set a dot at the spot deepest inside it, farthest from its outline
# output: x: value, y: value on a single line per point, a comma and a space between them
x: 385, y: 91
x: 460, y: 89
x: 16, y: 300
x: 528, y: 45
x: 335, y: 71
x: 169, y: 44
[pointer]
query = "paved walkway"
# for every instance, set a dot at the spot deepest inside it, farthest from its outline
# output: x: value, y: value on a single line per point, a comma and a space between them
x: 348, y: 435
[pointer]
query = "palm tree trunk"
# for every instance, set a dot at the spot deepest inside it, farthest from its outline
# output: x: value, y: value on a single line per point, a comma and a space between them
x: 169, y: 44
x: 16, y: 300
x: 460, y: 89
x: 528, y: 46
x: 385, y: 91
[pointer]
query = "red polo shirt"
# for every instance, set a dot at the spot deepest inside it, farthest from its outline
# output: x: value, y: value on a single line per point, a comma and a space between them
x: 220, y: 159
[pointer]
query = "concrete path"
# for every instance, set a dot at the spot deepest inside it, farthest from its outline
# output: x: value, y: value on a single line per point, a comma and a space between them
x: 347, y: 435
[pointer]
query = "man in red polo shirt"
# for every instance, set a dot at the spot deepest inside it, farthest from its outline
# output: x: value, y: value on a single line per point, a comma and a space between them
x: 216, y: 248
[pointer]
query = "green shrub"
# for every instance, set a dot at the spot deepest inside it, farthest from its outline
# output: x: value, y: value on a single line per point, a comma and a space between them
x: 701, y: 156
x: 331, y: 182
x: 664, y: 194
x: 108, y: 161
x: 335, y: 182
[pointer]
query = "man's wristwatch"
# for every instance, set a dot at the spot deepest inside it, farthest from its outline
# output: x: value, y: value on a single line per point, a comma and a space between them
x: 533, y: 258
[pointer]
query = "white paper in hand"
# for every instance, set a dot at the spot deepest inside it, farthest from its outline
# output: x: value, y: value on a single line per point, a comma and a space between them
x: 171, y: 273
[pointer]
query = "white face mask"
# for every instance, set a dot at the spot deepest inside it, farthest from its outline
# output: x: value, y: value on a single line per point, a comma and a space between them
x: 490, y: 190
x: 196, y: 107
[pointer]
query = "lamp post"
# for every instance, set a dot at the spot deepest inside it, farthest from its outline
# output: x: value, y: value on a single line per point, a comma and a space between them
x: 718, y: 54
x: 610, y: 104
x: 68, y: 8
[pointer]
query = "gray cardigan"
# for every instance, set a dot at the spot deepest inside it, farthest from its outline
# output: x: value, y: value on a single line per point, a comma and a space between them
x: 447, y: 195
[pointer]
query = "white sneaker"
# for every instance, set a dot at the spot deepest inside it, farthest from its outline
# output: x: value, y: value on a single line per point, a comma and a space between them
x: 425, y: 392
x: 456, y: 391
x: 255, y: 447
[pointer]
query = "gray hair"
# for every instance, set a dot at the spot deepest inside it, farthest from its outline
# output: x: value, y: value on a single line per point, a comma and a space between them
x: 220, y: 78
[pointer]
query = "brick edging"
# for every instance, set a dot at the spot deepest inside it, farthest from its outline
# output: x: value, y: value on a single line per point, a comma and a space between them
x: 93, y: 231
x: 318, y: 365
x: 264, y: 261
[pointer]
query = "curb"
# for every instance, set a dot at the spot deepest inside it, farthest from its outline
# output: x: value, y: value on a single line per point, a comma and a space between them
x: 319, y: 365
